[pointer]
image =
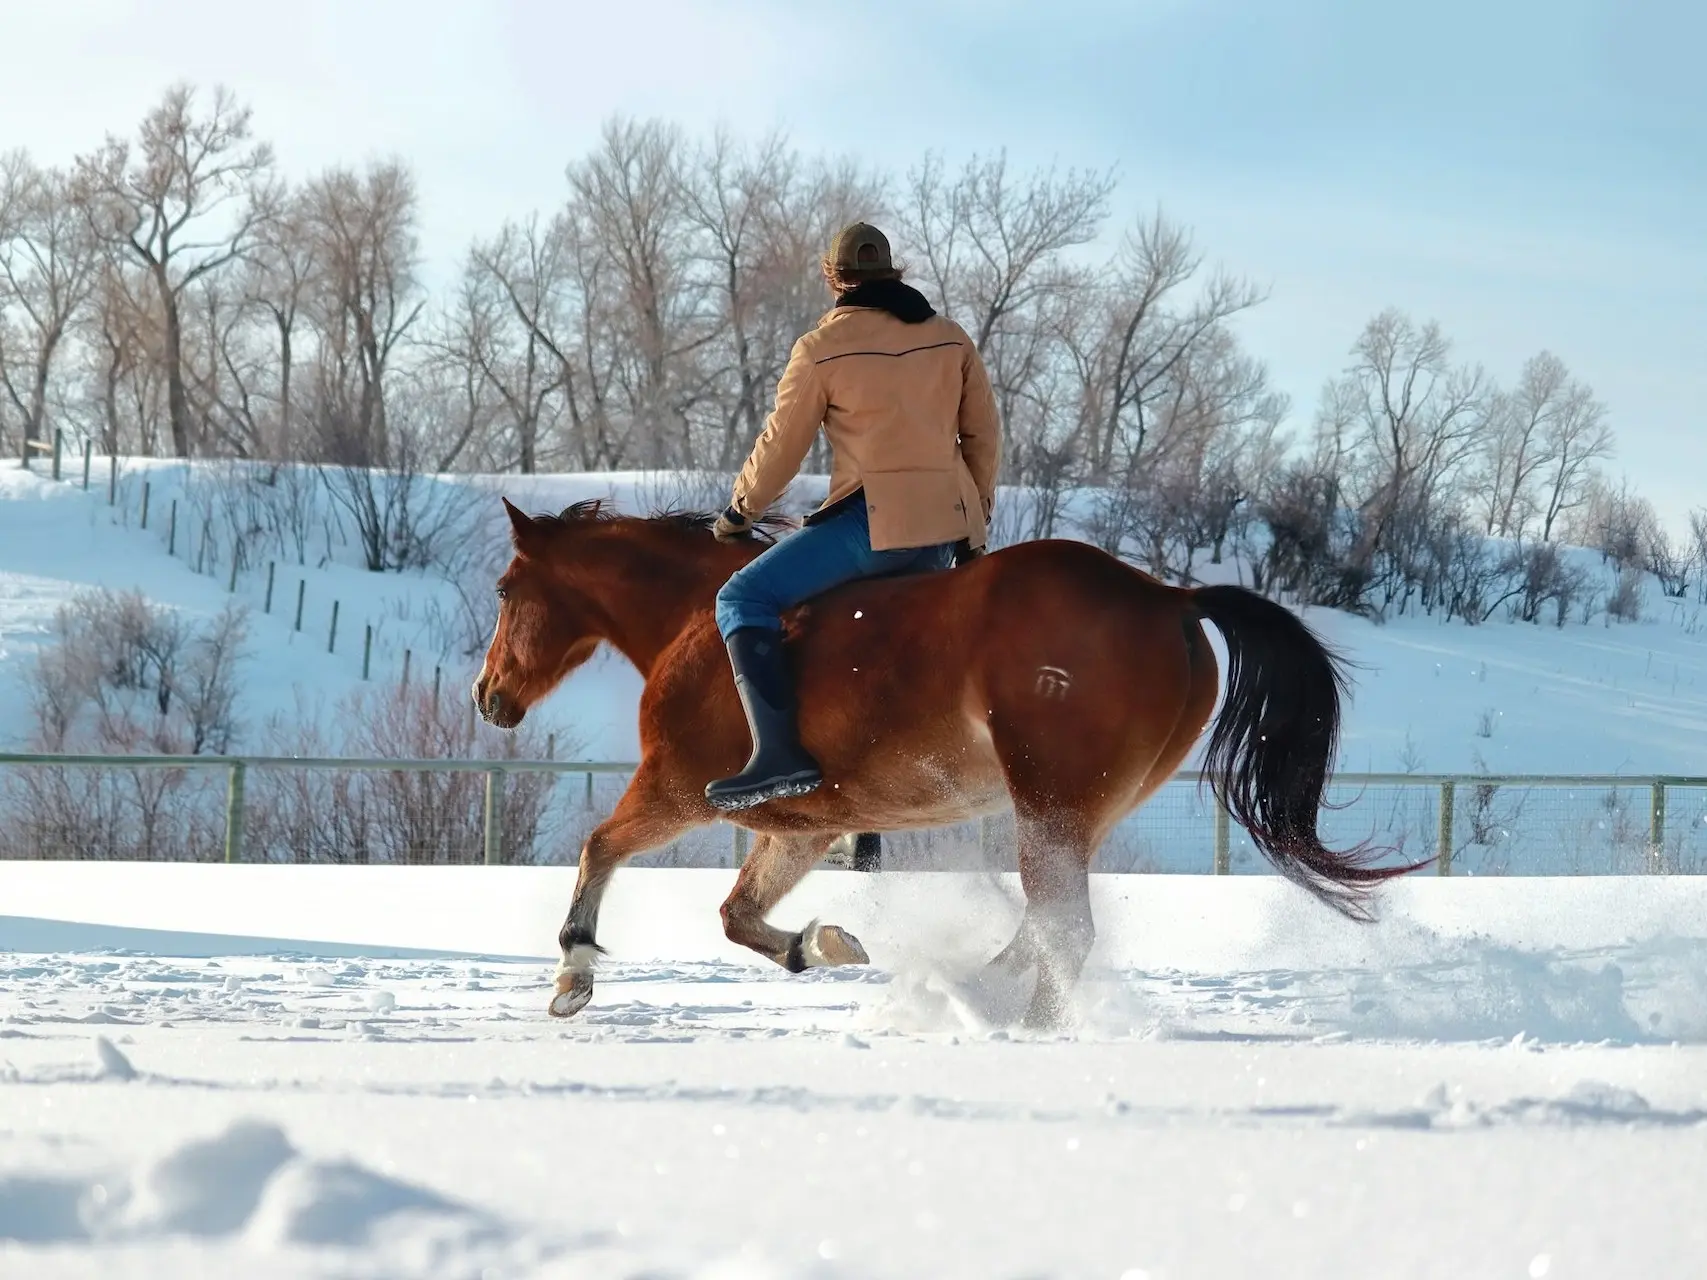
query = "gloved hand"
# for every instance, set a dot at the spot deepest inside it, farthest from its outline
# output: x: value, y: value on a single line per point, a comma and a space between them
x: 965, y: 552
x: 731, y: 526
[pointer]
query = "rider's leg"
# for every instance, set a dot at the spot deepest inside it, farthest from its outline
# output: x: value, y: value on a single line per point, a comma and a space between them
x: 749, y: 617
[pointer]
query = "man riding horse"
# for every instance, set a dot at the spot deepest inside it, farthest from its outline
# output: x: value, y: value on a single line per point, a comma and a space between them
x: 903, y: 398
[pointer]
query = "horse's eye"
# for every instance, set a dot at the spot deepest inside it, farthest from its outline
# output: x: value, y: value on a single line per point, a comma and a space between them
x: 502, y: 593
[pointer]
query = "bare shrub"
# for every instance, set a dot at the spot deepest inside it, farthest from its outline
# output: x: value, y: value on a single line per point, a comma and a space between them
x: 1624, y: 604
x: 403, y: 817
x: 123, y: 676
x: 403, y: 519
x: 1673, y: 563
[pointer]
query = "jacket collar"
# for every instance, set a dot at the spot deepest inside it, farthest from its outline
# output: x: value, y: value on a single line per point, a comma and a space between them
x: 900, y: 300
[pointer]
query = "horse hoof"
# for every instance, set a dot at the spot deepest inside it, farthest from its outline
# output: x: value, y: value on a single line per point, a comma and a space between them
x: 572, y: 996
x: 828, y: 945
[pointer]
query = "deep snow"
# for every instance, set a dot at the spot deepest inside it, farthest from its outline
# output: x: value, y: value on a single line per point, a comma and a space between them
x: 1502, y: 1078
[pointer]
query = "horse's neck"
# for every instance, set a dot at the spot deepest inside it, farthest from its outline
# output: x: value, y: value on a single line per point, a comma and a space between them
x: 647, y: 594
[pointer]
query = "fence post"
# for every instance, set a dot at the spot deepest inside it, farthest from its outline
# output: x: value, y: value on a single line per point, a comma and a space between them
x: 24, y: 458
x: 406, y: 654
x: 740, y: 845
x: 437, y: 672
x: 234, y: 814
x: 589, y: 800
x: 272, y: 565
x: 58, y: 447
x: 551, y: 746
x: 1657, y: 827
x: 112, y: 479
x: 172, y: 530
x: 88, y: 452
x: 145, y: 485
x: 367, y: 650
x: 1443, y: 841
x: 301, y: 591
x: 494, y: 817
x: 231, y: 584
x: 1223, y: 840
x: 332, y: 637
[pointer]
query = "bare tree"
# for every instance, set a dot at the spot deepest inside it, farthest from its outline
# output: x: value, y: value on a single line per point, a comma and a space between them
x: 991, y: 243
x: 1410, y: 417
x: 47, y: 272
x: 509, y: 318
x: 183, y: 206
x: 1698, y: 545
x: 1577, y: 436
x: 280, y: 273
x: 1517, y: 443
x: 124, y: 374
x: 367, y: 298
x: 629, y: 199
x: 994, y: 245
x: 1145, y: 342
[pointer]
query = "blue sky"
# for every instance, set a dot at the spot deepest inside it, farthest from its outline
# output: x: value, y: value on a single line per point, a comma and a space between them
x: 1532, y: 175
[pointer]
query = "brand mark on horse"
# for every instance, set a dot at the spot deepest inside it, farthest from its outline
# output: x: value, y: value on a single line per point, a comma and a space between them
x: 1052, y: 682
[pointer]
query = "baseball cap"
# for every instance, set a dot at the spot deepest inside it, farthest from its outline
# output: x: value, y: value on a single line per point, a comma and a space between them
x: 861, y: 247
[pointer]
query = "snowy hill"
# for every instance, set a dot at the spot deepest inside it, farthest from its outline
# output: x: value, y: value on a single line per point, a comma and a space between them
x: 1434, y: 697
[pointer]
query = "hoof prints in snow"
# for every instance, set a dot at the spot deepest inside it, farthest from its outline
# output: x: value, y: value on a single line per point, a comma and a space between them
x: 253, y: 1122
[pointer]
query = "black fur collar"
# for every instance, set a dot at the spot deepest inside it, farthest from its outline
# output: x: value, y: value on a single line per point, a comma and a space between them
x: 900, y: 300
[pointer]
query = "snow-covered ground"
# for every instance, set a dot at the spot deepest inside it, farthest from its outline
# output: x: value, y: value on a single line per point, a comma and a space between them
x: 1504, y: 1078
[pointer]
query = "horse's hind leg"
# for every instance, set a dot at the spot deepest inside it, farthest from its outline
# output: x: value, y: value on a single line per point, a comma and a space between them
x: 1057, y: 932
x: 775, y: 865
x: 643, y: 819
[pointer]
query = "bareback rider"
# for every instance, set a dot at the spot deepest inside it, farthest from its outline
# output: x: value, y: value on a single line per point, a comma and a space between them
x: 904, y: 401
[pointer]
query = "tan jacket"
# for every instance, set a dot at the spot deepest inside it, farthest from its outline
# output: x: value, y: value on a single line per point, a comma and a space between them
x: 910, y: 418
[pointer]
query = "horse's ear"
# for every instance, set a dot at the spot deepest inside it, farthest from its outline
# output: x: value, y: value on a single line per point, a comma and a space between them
x: 522, y: 527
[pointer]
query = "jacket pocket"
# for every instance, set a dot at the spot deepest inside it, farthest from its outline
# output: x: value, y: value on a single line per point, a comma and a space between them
x: 915, y: 508
x: 910, y: 496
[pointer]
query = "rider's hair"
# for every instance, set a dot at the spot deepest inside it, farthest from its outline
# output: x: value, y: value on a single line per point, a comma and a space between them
x: 841, y: 279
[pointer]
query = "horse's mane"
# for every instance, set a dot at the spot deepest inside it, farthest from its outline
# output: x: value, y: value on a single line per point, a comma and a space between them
x: 594, y: 510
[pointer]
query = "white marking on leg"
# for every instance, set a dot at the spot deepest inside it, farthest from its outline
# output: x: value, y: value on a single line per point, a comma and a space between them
x: 578, y: 959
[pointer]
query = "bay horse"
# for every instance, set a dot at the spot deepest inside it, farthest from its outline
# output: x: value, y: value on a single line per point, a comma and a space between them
x: 1048, y: 676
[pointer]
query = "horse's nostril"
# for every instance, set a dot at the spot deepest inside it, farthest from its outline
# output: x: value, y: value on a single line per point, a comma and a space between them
x: 492, y: 706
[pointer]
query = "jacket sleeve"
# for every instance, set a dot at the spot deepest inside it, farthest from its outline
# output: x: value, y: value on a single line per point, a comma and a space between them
x: 980, y: 429
x: 788, y: 434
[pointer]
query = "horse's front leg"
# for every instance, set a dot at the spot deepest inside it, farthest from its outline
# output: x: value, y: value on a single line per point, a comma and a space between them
x: 643, y: 819
x: 775, y: 865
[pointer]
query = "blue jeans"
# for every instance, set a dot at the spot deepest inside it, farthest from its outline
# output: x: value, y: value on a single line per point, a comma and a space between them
x: 810, y: 562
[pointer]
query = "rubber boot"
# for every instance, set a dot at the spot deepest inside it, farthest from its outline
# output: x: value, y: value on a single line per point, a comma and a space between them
x: 779, y: 765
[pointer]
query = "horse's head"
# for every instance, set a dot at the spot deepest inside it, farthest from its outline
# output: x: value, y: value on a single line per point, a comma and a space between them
x: 544, y: 629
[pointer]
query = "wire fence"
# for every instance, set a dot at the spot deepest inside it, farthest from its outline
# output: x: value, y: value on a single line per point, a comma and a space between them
x: 539, y: 812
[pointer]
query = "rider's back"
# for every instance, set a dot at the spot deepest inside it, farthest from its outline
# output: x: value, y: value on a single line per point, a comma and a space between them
x: 895, y: 399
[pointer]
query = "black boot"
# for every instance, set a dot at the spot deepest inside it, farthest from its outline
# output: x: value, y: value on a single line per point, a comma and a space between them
x: 779, y: 766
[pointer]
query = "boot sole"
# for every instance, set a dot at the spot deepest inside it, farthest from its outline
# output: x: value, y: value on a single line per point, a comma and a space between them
x: 787, y: 789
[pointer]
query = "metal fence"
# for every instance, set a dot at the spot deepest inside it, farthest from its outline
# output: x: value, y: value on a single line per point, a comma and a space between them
x: 294, y: 809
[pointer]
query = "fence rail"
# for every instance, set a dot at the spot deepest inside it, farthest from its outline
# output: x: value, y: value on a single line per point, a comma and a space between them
x: 1448, y: 788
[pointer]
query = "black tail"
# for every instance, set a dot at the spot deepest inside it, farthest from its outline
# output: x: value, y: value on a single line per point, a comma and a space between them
x: 1274, y: 742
